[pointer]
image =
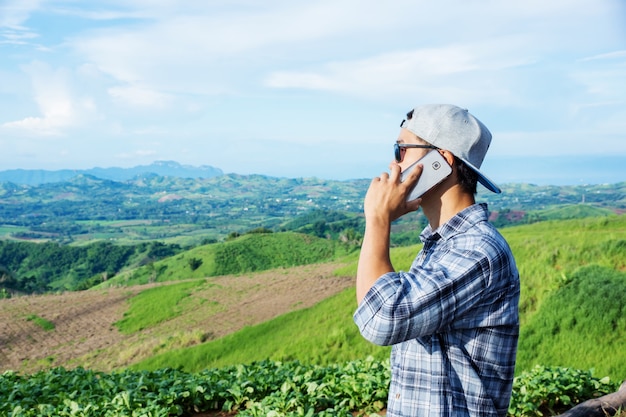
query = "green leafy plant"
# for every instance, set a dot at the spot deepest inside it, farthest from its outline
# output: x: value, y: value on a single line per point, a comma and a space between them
x: 264, y: 388
x: 41, y: 322
x: 552, y: 390
x: 257, y: 389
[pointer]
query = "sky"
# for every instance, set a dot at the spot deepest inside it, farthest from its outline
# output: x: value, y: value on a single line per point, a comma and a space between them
x: 311, y: 88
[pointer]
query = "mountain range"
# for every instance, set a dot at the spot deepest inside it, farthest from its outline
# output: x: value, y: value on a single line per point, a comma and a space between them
x: 160, y: 168
x: 537, y: 170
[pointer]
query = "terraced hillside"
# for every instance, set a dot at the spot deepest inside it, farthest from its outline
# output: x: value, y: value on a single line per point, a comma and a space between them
x: 85, y: 333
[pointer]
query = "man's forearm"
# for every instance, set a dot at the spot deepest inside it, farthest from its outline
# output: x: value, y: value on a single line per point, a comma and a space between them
x: 374, y: 259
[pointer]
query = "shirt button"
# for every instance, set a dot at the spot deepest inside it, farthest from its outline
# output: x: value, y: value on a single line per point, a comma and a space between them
x: 397, y: 396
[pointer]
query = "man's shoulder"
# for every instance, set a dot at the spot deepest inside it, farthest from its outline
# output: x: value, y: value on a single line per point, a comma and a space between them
x: 477, y: 233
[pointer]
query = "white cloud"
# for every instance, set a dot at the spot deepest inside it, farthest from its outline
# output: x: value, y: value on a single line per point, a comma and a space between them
x: 556, y: 143
x: 602, y: 82
x: 13, y: 13
x: 473, y: 72
x: 331, y: 45
x: 17, y: 36
x: 59, y: 107
x: 608, y: 55
x: 141, y: 153
x: 137, y: 96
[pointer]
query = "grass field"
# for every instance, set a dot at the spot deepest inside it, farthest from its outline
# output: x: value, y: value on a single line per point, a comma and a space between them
x: 248, y: 253
x: 560, y: 263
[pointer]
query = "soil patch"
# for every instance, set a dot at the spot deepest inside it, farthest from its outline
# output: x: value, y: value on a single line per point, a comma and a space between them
x: 84, y: 333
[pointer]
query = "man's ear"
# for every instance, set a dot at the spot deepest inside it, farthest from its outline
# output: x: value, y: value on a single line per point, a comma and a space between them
x: 448, y: 156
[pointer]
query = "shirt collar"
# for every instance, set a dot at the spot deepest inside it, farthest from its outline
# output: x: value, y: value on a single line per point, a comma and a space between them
x: 461, y: 222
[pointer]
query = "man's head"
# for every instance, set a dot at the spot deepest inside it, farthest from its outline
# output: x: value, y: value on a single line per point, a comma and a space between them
x: 453, y: 129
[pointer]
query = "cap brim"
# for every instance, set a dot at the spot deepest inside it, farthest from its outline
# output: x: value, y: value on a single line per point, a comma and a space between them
x: 486, y: 182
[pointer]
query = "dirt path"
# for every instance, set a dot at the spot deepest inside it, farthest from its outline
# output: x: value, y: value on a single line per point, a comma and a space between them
x: 85, y: 334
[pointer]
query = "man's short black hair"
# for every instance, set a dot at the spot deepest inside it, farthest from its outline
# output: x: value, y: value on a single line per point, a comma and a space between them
x: 467, y: 177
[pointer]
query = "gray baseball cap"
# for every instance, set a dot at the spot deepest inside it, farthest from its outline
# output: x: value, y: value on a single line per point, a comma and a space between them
x: 454, y: 129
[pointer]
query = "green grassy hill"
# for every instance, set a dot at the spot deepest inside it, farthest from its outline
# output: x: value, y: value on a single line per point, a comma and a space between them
x: 548, y: 253
x: 247, y: 253
x: 323, y: 334
x: 573, y: 211
x: 561, y: 263
x: 584, y: 319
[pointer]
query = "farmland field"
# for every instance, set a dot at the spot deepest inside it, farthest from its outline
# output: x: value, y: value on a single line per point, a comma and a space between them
x: 85, y: 332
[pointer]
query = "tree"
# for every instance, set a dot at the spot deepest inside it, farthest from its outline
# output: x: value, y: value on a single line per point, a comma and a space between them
x: 194, y: 263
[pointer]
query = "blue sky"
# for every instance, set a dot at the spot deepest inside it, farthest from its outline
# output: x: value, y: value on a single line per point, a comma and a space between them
x: 308, y: 88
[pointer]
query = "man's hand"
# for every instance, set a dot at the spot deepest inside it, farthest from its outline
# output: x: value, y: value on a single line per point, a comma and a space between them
x: 386, y: 196
x: 385, y: 201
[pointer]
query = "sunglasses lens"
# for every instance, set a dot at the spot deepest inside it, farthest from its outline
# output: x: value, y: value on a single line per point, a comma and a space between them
x: 397, y: 152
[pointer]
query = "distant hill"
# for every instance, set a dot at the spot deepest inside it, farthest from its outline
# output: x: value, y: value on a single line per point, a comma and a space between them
x: 575, y: 211
x: 160, y: 168
x: 188, y: 211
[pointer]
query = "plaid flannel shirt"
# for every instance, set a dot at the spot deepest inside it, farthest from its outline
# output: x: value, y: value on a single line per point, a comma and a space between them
x: 452, y: 320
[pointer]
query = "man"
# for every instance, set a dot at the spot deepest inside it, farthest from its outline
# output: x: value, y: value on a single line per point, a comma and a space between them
x: 453, y: 317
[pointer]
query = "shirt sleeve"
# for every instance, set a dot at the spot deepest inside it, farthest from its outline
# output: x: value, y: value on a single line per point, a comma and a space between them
x: 405, y: 305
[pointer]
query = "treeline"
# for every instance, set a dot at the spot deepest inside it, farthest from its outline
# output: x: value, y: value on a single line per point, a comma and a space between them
x: 28, y: 268
x: 343, y: 226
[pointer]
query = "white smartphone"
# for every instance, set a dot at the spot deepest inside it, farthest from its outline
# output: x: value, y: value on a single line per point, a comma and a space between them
x: 436, y: 169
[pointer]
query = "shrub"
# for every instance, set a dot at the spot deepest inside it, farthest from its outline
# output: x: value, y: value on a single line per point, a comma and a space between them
x: 194, y: 263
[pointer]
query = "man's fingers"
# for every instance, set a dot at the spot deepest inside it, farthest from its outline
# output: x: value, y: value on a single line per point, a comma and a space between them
x: 414, y: 175
x: 413, y: 205
x: 410, y: 182
x: 394, y: 171
x: 383, y: 177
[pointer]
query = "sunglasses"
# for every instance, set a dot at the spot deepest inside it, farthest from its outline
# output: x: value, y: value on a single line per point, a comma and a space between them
x: 398, y: 149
